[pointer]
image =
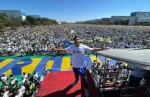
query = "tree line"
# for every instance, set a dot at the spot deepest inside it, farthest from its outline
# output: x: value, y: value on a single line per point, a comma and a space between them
x: 105, y: 21
x: 109, y: 22
x: 6, y: 22
x: 96, y: 22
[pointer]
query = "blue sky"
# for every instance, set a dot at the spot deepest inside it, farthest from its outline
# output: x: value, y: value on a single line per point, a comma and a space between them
x: 76, y: 10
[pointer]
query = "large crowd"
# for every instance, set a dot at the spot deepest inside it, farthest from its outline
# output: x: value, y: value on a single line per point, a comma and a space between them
x: 28, y: 86
x: 30, y: 40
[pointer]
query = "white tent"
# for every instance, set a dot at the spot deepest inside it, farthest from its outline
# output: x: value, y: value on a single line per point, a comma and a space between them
x: 137, y: 57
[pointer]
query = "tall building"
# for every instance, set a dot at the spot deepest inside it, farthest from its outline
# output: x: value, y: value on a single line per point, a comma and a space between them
x: 137, y: 17
x: 141, y: 16
x: 14, y: 14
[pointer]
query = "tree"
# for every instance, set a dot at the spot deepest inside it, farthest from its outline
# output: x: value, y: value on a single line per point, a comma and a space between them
x: 3, y: 17
x: 38, y: 21
x: 121, y: 22
x: 143, y: 23
x: 3, y: 21
x: 96, y: 21
x: 31, y: 19
x: 106, y: 21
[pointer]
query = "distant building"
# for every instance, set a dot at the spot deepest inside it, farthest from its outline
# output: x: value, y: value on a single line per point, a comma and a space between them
x: 137, y: 17
x: 141, y: 16
x: 118, y: 18
x: 132, y: 21
x: 35, y: 16
x: 14, y: 14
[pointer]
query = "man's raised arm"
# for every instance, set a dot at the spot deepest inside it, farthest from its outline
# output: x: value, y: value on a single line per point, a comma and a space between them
x: 57, y: 50
x: 99, y: 49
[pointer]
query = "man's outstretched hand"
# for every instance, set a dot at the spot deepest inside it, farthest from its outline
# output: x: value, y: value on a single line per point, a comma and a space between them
x: 52, y: 49
x: 105, y: 48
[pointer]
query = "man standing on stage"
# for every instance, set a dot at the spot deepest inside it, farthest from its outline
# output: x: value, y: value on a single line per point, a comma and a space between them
x: 78, y: 60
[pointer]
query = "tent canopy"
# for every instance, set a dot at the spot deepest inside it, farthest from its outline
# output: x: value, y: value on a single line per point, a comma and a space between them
x: 136, y: 57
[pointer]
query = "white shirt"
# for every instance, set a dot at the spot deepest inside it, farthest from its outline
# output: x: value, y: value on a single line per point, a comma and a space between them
x: 20, y: 93
x: 22, y: 89
x: 25, y: 76
x: 17, y: 95
x: 35, y: 76
x: 13, y: 81
x: 41, y: 79
x: 4, y: 78
x: 24, y: 79
x: 6, y: 94
x: 78, y: 59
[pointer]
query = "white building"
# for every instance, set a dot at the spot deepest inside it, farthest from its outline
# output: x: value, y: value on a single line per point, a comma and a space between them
x: 14, y: 14
x: 137, y: 17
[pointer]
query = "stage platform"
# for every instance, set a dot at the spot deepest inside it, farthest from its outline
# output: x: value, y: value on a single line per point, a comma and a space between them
x: 57, y: 84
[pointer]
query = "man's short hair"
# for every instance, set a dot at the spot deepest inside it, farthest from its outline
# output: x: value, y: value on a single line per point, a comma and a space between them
x: 75, y: 37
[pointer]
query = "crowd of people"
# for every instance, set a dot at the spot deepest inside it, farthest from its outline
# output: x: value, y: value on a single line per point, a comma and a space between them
x: 119, y: 75
x: 39, y: 39
x: 109, y: 74
x: 11, y: 87
x: 42, y: 39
